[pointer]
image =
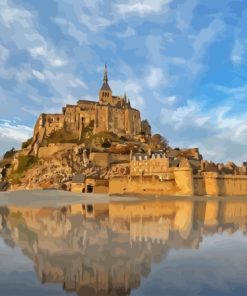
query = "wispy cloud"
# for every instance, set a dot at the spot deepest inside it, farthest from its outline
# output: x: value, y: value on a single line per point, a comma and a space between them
x: 15, y: 132
x: 218, y: 133
x: 238, y: 52
x: 127, y: 33
x: 155, y: 77
x: 133, y: 88
x: 143, y: 7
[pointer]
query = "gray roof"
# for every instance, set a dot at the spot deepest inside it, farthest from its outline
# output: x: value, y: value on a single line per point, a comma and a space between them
x: 79, y: 178
x: 86, y: 101
x: 105, y: 86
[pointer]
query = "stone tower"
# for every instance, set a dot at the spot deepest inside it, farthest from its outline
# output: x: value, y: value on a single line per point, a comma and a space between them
x: 105, y: 93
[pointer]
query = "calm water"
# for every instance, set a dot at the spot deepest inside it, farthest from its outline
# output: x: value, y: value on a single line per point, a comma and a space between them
x: 138, y: 248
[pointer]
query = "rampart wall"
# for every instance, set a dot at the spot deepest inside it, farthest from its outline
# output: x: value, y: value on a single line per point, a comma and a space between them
x: 183, y: 184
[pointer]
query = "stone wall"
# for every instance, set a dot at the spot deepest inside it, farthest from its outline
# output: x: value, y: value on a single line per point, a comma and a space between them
x: 216, y: 184
x: 184, y: 181
x: 141, y: 185
x: 151, y: 166
x: 100, y: 158
x: 105, y: 159
x: 184, y: 184
x: 199, y: 185
x: 51, y: 149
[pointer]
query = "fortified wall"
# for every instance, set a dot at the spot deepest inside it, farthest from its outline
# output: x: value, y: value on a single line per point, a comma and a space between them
x: 158, y: 174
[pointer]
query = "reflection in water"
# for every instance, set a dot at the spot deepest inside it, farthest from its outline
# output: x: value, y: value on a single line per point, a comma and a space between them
x: 106, y: 249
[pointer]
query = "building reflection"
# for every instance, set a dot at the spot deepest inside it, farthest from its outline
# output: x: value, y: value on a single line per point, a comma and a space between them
x: 106, y: 249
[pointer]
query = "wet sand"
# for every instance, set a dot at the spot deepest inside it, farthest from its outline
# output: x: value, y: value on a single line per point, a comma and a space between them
x: 42, y: 198
x: 56, y: 198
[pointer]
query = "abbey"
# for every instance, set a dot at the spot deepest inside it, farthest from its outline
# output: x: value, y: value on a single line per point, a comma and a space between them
x: 110, y: 114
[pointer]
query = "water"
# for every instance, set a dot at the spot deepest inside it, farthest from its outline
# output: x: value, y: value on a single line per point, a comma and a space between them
x: 125, y: 248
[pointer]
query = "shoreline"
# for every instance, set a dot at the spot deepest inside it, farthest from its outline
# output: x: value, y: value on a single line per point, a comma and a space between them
x: 56, y: 198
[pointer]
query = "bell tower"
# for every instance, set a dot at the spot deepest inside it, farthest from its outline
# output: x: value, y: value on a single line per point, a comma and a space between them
x: 105, y: 93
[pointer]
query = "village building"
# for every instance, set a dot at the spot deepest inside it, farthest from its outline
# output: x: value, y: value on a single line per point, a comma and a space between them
x: 82, y: 184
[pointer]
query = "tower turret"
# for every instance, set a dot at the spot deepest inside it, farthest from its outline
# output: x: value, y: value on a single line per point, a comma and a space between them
x: 105, y: 93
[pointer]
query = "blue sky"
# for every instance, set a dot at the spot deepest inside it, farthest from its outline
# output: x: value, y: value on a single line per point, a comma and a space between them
x: 181, y: 62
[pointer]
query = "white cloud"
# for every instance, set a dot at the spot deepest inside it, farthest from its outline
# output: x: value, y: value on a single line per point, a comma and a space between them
x: 201, y: 42
x: 76, y: 82
x: 48, y: 54
x: 170, y: 99
x: 238, y: 52
x: 80, y: 36
x: 91, y: 14
x: 12, y: 135
x: 11, y: 15
x: 38, y: 75
x: 155, y: 77
x: 15, y: 132
x: 133, y: 89
x: 193, y: 62
x: 4, y: 54
x: 94, y: 24
x: 127, y: 33
x: 220, y: 135
x: 184, y: 14
x: 143, y: 7
x: 19, y: 26
x: 233, y: 93
x: 182, y: 115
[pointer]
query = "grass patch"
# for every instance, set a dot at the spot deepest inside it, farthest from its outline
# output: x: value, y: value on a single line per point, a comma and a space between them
x: 26, y: 162
x: 61, y: 136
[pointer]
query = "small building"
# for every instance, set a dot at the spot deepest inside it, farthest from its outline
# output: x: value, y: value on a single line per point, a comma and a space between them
x: 144, y: 164
x: 83, y: 184
x: 95, y: 185
x: 78, y: 183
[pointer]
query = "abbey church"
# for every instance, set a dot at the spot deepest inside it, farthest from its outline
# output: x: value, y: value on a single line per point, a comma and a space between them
x: 110, y: 114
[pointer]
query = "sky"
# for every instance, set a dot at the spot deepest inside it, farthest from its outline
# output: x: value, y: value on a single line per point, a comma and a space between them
x: 182, y: 63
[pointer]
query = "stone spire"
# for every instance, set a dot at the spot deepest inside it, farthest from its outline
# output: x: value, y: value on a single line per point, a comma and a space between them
x: 105, y: 85
x: 105, y: 80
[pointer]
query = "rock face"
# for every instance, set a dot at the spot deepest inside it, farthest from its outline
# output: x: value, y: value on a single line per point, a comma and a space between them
x: 56, y: 170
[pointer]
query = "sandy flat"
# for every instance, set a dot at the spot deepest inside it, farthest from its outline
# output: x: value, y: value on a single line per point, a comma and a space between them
x: 41, y: 198
x: 56, y: 198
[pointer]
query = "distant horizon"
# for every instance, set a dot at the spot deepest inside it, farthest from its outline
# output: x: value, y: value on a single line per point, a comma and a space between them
x: 181, y: 63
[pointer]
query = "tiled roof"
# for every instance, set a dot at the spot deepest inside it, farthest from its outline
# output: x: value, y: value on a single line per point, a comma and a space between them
x: 79, y: 178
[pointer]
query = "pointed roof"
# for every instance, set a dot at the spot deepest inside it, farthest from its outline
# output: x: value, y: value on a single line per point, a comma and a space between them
x: 105, y: 85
